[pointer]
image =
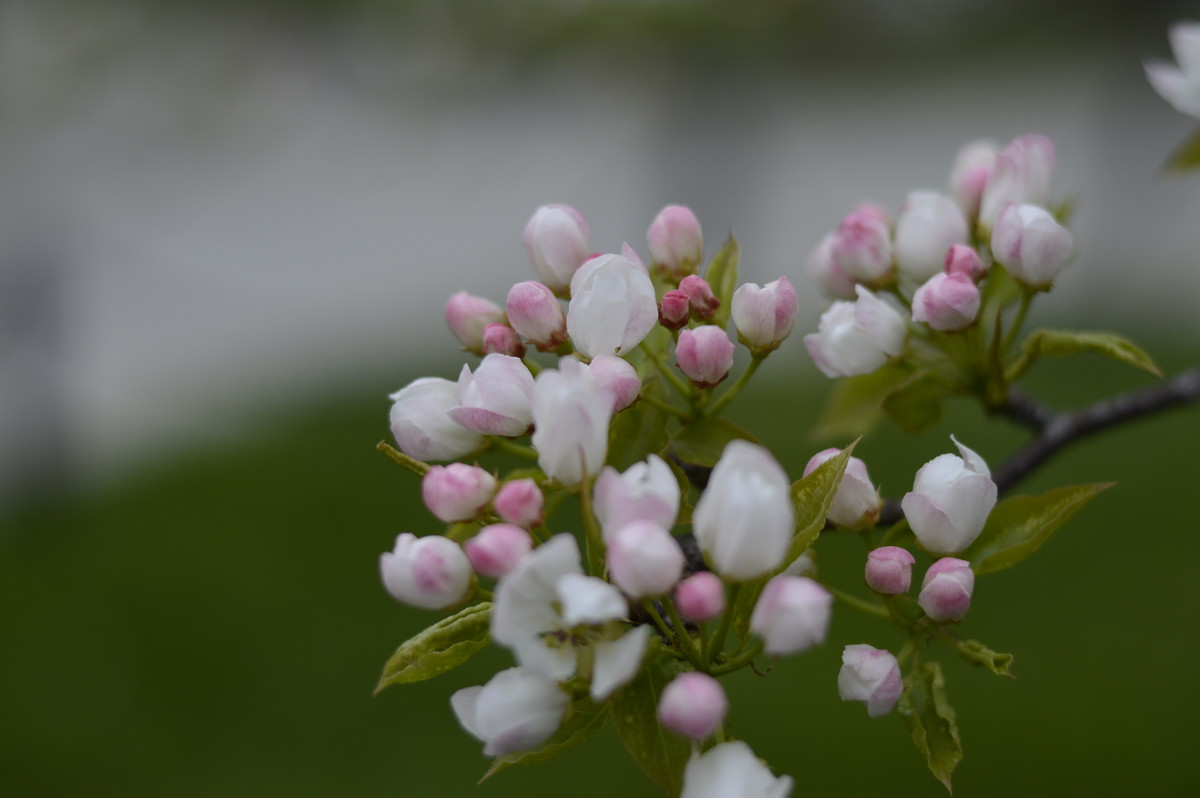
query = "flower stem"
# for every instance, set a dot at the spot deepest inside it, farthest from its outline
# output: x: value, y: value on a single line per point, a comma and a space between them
x: 665, y: 406
x: 505, y: 445
x: 685, y: 640
x: 595, y: 540
x: 718, y: 640
x: 1018, y: 320
x: 670, y: 376
x: 727, y: 397
x: 865, y: 607
x: 411, y: 463
x: 739, y: 662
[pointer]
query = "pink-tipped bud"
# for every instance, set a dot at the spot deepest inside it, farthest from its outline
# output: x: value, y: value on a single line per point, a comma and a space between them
x: 457, y: 492
x: 946, y: 589
x: 535, y: 313
x: 928, y: 225
x: 674, y: 310
x: 1021, y: 174
x: 705, y: 355
x: 856, y: 502
x: 889, y: 570
x: 500, y: 339
x: 701, y: 298
x: 825, y: 272
x: 870, y: 675
x: 467, y: 317
x: 972, y: 167
x: 1031, y: 244
x: 862, y: 246
x: 556, y: 239
x: 964, y: 260
x: 616, y: 377
x: 675, y: 239
x: 764, y: 316
x: 520, y: 502
x: 700, y: 597
x: 431, y: 572
x: 644, y: 559
x: 693, y: 704
x: 947, y: 302
x: 792, y: 615
x: 497, y: 548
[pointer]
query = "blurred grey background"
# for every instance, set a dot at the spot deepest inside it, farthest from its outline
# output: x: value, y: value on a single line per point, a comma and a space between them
x: 209, y: 211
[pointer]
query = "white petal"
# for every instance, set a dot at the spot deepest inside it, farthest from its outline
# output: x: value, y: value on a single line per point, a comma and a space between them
x: 618, y: 661
x: 586, y: 599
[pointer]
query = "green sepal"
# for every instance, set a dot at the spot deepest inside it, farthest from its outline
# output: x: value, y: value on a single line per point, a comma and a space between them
x: 977, y: 653
x: 916, y: 403
x: 1018, y: 526
x: 811, y: 497
x: 931, y: 720
x: 722, y: 277
x: 854, y: 404
x: 463, y: 530
x: 702, y: 441
x: 442, y: 647
x: 1056, y: 343
x: 637, y: 432
x: 1186, y: 156
x: 584, y: 718
x: 660, y: 753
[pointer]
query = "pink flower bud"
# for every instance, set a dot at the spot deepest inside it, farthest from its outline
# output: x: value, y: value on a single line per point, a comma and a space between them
x: 947, y: 302
x: 646, y: 491
x: 457, y: 492
x: 946, y: 589
x: 1021, y: 174
x: 675, y: 239
x: 431, y: 572
x: 693, y: 704
x: 468, y: 315
x: 497, y: 548
x: 1030, y: 244
x: 700, y: 597
x: 950, y: 501
x: 674, y: 310
x: 520, y: 502
x: 535, y: 313
x: 862, y: 245
x: 792, y: 614
x: 872, y: 676
x: 705, y: 355
x: 929, y: 223
x: 856, y: 502
x: 644, y: 559
x: 964, y: 260
x: 764, y: 316
x: 556, y: 239
x: 700, y: 296
x: 500, y: 339
x: 495, y: 399
x: 969, y: 175
x: 828, y: 276
x: 889, y: 570
x: 616, y: 377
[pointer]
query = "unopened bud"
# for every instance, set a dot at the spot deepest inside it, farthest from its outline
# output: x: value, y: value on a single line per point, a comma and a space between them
x: 1031, y: 244
x: 764, y: 315
x: 500, y: 339
x: 616, y: 377
x: 675, y: 239
x: 700, y: 296
x: 870, y: 675
x: 693, y: 704
x: 431, y: 572
x: 972, y: 167
x: 556, y: 239
x: 535, y: 313
x: 862, y: 245
x: 674, y: 310
x: 856, y: 502
x: 705, y: 355
x: 644, y: 559
x: 947, y: 302
x: 497, y: 548
x: 457, y: 492
x: 964, y: 260
x: 929, y: 223
x: 520, y: 502
x: 467, y: 317
x: 792, y: 614
x: 947, y: 588
x: 700, y: 597
x: 889, y: 570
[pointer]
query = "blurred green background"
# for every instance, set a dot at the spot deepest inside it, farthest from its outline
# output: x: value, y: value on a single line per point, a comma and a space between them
x: 225, y: 234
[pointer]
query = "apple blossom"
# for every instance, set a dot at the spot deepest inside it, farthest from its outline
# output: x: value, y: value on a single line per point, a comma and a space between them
x: 825, y: 272
x: 947, y: 588
x: 496, y: 548
x: 646, y: 491
x: 1021, y: 174
x: 856, y: 502
x: 517, y: 709
x: 556, y: 239
x: 500, y: 339
x: 973, y: 165
x: 520, y: 502
x: 705, y: 355
x: 872, y: 676
x: 495, y: 399
x: 862, y: 246
x: 534, y: 312
x: 1180, y: 85
x: 764, y: 315
x: 1031, y: 244
x: 613, y: 305
x: 928, y: 225
x: 700, y: 597
x: 950, y: 501
x: 731, y: 769
x: 430, y: 572
x: 693, y: 704
x: 857, y: 337
x: 616, y: 377
x: 570, y: 422
x: 792, y: 614
x: 468, y: 315
x: 701, y: 298
x: 675, y: 239
x: 421, y: 424
x: 644, y: 559
x: 457, y: 492
x: 962, y: 259
x: 889, y: 570
x: 946, y: 302
x: 674, y: 310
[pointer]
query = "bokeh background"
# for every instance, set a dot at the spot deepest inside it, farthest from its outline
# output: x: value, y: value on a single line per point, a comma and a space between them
x: 227, y: 231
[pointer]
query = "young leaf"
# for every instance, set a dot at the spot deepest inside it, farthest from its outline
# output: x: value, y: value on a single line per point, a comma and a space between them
x: 637, y: 432
x: 584, y: 719
x: 1018, y: 526
x: 1187, y: 156
x: 977, y: 653
x: 916, y: 403
x: 854, y: 403
x: 702, y: 441
x: 660, y: 753
x: 811, y: 497
x: 447, y: 644
x: 1055, y: 343
x: 932, y: 720
x: 722, y: 275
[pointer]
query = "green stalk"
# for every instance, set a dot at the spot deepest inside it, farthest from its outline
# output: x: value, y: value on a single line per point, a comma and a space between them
x: 727, y: 397
x: 505, y: 445
x: 865, y: 607
x: 718, y: 640
x: 676, y: 382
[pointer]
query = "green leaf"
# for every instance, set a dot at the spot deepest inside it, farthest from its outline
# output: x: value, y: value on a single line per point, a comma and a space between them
x: 916, y: 403
x: 932, y: 720
x: 1056, y: 343
x: 444, y: 646
x: 811, y: 497
x: 1018, y: 526
x: 977, y: 653
x: 854, y: 404
x: 637, y: 432
x: 702, y: 441
x: 1186, y: 157
x: 661, y: 754
x: 722, y: 275
x: 584, y: 719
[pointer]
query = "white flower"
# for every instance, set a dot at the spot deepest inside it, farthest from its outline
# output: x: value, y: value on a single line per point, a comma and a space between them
x: 764, y: 315
x: 643, y: 492
x: 792, y: 614
x: 644, y: 559
x: 517, y: 709
x: 928, y: 225
x: 872, y: 676
x: 556, y: 239
x: 570, y: 419
x: 613, y: 306
x: 857, y: 337
x: 950, y: 501
x: 495, y: 399
x: 421, y: 425
x: 973, y: 165
x: 744, y: 519
x: 1180, y: 85
x: 856, y: 499
x: 731, y: 770
x: 1021, y: 174
x: 542, y: 603
x: 1031, y: 244
x: 431, y: 572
